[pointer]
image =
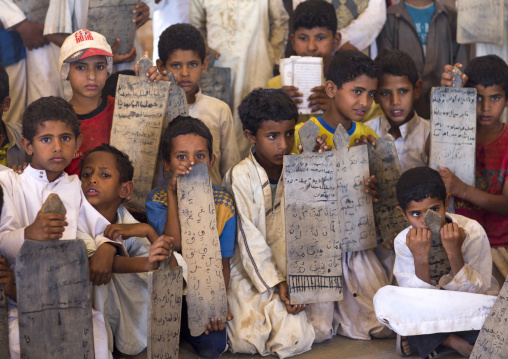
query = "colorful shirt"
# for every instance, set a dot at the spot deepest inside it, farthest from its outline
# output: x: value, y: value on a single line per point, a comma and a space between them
x: 421, y: 18
x: 356, y: 131
x: 96, y: 130
x: 491, y: 175
x: 157, y: 207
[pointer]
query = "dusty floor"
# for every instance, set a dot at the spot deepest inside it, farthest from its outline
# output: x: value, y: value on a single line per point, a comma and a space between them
x: 337, y: 348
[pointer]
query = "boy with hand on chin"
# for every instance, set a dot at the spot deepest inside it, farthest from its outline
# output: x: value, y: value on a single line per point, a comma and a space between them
x: 455, y: 318
x: 106, y: 177
x: 51, y: 136
x: 187, y: 141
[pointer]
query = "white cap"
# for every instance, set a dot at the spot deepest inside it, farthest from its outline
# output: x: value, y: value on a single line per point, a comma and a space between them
x: 80, y: 45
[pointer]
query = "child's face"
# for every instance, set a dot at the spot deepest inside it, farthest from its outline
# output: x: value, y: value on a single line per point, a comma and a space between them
x: 490, y: 105
x: 52, y: 147
x: 415, y: 211
x: 354, y: 99
x: 88, y: 76
x: 395, y: 95
x: 100, y: 181
x: 188, y: 148
x: 273, y: 141
x: 187, y: 67
x: 316, y: 42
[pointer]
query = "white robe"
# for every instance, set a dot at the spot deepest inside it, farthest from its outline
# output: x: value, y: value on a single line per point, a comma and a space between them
x: 261, y: 323
x: 24, y: 195
x: 217, y: 117
x: 250, y: 36
x: 417, y: 307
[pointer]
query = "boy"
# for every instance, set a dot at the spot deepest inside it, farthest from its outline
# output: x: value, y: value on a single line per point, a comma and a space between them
x: 250, y: 37
x: 313, y: 33
x: 487, y: 202
x: 187, y: 141
x: 397, y: 89
x: 51, y: 136
x: 426, y: 30
x: 351, y: 82
x: 182, y: 51
x: 85, y: 61
x: 11, y: 150
x: 106, y: 176
x: 443, y: 317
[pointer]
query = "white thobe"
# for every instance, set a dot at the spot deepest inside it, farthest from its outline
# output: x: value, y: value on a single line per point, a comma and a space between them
x: 24, y: 195
x: 261, y: 323
x: 217, y: 117
x: 410, y: 145
x: 250, y: 36
x: 421, y: 308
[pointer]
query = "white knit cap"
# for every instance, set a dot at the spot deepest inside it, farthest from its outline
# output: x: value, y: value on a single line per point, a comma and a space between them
x: 80, y: 45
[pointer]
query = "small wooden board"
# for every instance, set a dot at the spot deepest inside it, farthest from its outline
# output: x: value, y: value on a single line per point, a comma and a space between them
x: 453, y: 131
x: 113, y: 19
x: 384, y: 164
x: 438, y: 259
x: 216, y: 82
x: 312, y: 222
x: 492, y: 343
x: 480, y: 21
x: 206, y: 297
x: 354, y: 203
x: 4, y: 324
x: 164, y: 311
x: 137, y: 127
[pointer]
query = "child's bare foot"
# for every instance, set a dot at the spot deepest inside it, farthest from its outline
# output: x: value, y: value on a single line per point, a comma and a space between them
x: 459, y: 344
x: 403, y: 346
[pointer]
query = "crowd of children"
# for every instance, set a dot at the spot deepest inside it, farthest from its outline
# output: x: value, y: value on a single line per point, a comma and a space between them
x: 63, y: 147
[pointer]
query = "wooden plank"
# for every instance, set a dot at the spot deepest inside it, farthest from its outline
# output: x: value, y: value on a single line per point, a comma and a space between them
x: 137, y: 126
x: 354, y: 203
x: 206, y: 297
x: 54, y: 312
x: 480, y: 21
x: 492, y: 343
x: 216, y: 82
x: 113, y: 19
x: 4, y: 325
x: 164, y: 311
x: 312, y: 224
x: 453, y: 131
x: 384, y: 164
x: 438, y: 259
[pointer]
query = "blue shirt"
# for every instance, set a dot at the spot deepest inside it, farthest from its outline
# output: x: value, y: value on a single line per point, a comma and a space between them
x: 12, y: 49
x: 157, y: 209
x: 421, y: 17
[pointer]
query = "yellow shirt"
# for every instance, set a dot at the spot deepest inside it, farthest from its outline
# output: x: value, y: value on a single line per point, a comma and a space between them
x: 357, y: 130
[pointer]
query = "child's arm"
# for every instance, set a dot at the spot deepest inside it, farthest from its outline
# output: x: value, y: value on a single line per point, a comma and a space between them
x: 418, y: 241
x: 452, y: 237
x: 160, y: 250
x: 46, y: 226
x: 114, y: 231
x: 447, y: 78
x: 7, y: 279
x: 496, y: 203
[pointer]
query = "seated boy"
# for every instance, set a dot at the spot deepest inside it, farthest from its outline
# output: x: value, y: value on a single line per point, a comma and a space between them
x: 85, y: 61
x: 11, y: 149
x: 487, y: 202
x: 264, y: 322
x: 182, y: 51
x: 437, y: 314
x: 185, y: 142
x: 51, y: 136
x: 313, y: 33
x: 106, y: 176
x: 397, y: 89
x: 351, y: 84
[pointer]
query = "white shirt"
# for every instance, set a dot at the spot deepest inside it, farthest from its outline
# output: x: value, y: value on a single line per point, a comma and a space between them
x: 24, y: 195
x: 218, y: 118
x: 411, y: 145
x: 474, y: 277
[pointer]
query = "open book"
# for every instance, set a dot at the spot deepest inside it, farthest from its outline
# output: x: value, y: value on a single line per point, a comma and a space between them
x: 304, y: 73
